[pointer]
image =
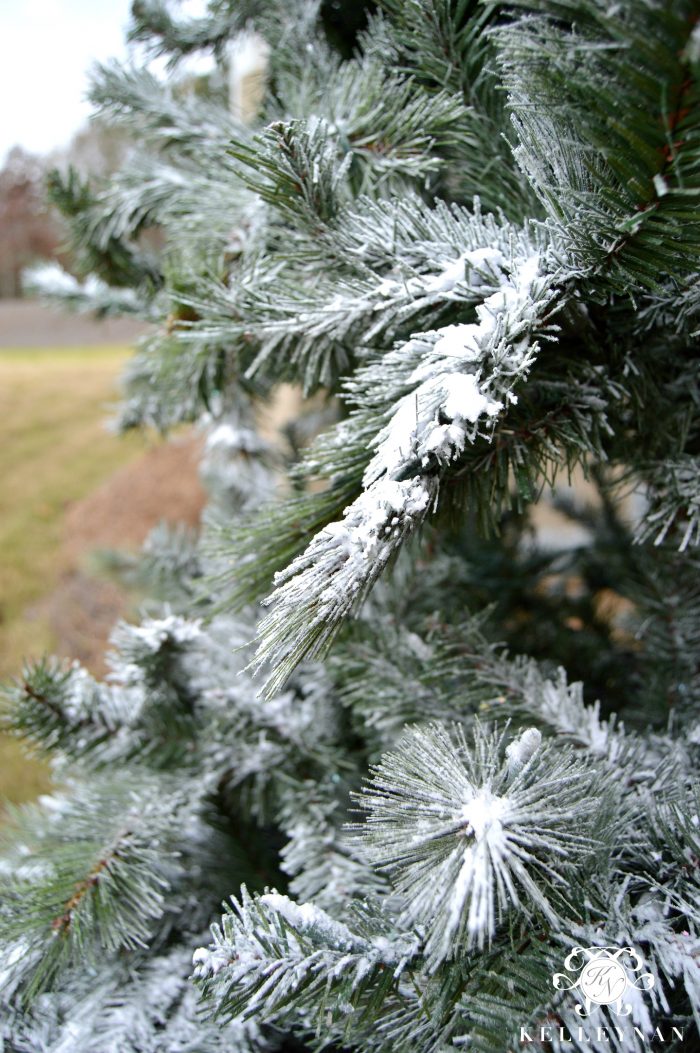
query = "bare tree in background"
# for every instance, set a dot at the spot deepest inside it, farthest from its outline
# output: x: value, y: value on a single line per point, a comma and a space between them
x: 29, y: 230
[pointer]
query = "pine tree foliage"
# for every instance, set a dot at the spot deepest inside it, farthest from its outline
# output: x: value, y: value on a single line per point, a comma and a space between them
x: 484, y: 826
x: 421, y: 745
x: 604, y: 101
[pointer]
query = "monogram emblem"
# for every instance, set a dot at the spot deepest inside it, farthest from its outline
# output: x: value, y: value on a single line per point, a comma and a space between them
x: 605, y: 974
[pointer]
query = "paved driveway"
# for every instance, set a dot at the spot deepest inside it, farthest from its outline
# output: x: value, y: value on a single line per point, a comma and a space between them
x: 26, y: 323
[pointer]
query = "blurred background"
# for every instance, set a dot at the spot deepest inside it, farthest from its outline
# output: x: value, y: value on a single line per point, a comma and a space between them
x: 71, y: 491
x: 69, y: 488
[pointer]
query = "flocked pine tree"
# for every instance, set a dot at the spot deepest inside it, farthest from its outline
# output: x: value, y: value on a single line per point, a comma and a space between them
x: 421, y: 751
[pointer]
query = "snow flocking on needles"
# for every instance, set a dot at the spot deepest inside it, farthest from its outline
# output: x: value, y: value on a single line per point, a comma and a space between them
x: 446, y: 388
x: 465, y: 834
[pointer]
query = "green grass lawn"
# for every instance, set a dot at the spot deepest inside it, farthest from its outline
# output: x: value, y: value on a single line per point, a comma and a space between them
x: 54, y: 449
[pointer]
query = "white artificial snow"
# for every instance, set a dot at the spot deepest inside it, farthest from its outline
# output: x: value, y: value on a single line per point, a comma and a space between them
x: 458, y: 341
x: 487, y: 260
x: 51, y: 280
x: 13, y: 953
x: 441, y: 441
x: 154, y: 632
x: 562, y: 706
x: 94, y: 286
x: 306, y: 916
x: 373, y: 519
x: 78, y: 702
x: 522, y: 749
x: 526, y: 273
x: 481, y: 819
x: 395, y: 439
x: 420, y: 647
x: 228, y: 437
x: 464, y: 400
x: 387, y: 287
x: 660, y: 185
x: 375, y: 513
x: 414, y: 428
x: 209, y: 962
x: 476, y: 266
x: 56, y: 803
x: 442, y: 413
x: 482, y: 814
x: 447, y: 279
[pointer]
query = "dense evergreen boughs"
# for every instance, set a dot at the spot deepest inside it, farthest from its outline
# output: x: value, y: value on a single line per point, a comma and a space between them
x: 421, y: 705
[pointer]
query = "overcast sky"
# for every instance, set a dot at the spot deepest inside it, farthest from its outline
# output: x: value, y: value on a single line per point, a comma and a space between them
x: 46, y: 49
